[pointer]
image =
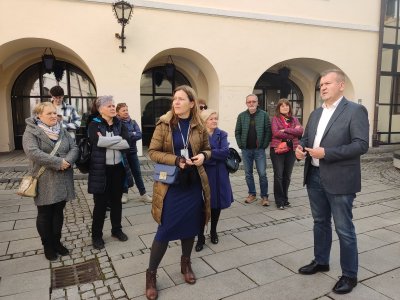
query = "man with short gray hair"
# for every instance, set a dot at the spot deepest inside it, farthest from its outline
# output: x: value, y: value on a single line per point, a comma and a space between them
x: 253, y: 134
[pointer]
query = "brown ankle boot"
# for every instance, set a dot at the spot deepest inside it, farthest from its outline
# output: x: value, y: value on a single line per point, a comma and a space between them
x: 186, y: 270
x: 151, y: 288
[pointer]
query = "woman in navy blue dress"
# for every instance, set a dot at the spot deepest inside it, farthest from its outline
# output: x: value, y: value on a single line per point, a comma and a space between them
x: 180, y: 209
x: 218, y: 176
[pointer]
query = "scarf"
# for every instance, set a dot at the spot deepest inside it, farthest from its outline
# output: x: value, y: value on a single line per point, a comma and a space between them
x: 52, y: 132
x: 286, y: 121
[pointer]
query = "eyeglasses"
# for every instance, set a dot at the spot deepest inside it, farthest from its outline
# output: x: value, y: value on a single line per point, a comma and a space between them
x: 203, y: 107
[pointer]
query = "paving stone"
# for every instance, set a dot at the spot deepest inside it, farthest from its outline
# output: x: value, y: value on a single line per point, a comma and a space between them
x: 306, y: 287
x: 300, y: 240
x: 211, y: 288
x: 18, y: 216
x: 360, y: 292
x: 382, y: 259
x: 4, y: 226
x: 366, y: 243
x: 115, y: 247
x: 231, y: 223
x: 18, y: 234
x: 265, y: 271
x: 368, y: 211
x: 24, y: 245
x: 200, y: 269
x: 36, y: 280
x: 226, y: 242
x: 3, y: 248
x: 134, y: 285
x: 269, y: 233
x: 385, y: 235
x: 245, y: 255
x: 39, y: 294
x: 386, y: 284
x: 372, y: 223
x: 23, y: 265
x: 256, y: 218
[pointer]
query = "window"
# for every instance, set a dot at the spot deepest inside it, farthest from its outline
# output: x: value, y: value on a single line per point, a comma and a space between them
x: 33, y: 85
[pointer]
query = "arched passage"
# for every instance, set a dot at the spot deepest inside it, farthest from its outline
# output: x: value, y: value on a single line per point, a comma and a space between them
x: 24, y: 83
x: 157, y: 83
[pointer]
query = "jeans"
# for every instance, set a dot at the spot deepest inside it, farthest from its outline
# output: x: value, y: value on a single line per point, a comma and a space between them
x: 283, y: 167
x: 323, y: 206
x: 134, y: 164
x: 112, y: 196
x: 49, y: 223
x: 258, y: 156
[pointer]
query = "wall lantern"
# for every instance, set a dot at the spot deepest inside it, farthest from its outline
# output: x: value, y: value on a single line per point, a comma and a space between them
x: 123, y: 12
x: 48, y: 60
x: 170, y: 68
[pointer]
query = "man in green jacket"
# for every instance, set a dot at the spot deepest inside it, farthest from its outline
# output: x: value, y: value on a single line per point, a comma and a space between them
x: 253, y: 134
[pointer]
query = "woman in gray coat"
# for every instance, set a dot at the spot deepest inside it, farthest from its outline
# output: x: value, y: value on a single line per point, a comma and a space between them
x: 55, y: 185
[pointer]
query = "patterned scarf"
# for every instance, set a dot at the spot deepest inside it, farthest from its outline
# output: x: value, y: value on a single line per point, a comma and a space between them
x: 52, y: 132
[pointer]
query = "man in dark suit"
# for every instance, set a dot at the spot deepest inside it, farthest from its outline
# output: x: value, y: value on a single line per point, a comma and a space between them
x: 336, y: 135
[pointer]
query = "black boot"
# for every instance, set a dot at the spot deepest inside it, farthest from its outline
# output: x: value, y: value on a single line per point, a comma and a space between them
x: 50, y: 252
x: 201, y: 239
x: 60, y: 249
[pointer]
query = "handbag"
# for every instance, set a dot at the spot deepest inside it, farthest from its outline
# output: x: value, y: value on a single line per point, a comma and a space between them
x: 282, y: 148
x: 232, y: 161
x: 166, y: 173
x: 28, y: 185
x: 85, y: 152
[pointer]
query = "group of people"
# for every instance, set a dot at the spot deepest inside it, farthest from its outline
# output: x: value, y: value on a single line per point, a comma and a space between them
x: 188, y: 137
x: 113, y: 166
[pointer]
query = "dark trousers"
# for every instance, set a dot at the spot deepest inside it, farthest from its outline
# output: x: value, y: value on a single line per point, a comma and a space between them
x: 49, y: 223
x: 112, y: 195
x: 283, y: 167
x: 134, y: 164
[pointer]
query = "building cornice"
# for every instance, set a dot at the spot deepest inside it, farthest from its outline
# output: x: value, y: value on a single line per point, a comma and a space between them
x: 245, y: 15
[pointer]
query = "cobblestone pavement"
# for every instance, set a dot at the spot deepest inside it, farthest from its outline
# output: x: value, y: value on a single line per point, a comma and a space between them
x: 259, y: 252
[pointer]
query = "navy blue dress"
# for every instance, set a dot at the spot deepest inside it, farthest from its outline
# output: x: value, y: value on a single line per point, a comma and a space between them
x: 182, y: 213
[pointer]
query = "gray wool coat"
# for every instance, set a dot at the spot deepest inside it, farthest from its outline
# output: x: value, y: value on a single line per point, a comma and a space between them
x: 54, y: 185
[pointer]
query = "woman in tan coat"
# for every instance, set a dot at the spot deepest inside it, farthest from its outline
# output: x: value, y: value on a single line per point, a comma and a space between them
x: 179, y: 139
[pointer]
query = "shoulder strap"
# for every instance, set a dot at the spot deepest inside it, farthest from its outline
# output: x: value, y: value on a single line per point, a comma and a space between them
x: 42, y: 169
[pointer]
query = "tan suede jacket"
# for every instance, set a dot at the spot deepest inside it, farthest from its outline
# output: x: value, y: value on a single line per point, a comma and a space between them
x: 161, y: 150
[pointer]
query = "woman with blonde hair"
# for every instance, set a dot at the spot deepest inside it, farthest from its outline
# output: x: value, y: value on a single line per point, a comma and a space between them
x: 55, y: 186
x: 218, y: 176
x: 181, y: 140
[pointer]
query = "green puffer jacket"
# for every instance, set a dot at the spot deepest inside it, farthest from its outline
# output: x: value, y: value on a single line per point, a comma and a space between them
x: 263, y: 128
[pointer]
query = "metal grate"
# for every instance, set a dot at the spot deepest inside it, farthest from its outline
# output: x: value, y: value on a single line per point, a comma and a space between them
x: 76, y: 274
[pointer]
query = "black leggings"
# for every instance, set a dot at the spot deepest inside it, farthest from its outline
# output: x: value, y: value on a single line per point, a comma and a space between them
x: 49, y: 222
x: 158, y: 250
x: 215, y: 213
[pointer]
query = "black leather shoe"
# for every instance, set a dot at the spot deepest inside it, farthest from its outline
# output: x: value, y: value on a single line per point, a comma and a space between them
x: 313, y: 268
x: 120, y: 236
x: 214, y: 238
x: 200, y: 243
x: 60, y: 249
x: 344, y: 285
x: 98, y: 243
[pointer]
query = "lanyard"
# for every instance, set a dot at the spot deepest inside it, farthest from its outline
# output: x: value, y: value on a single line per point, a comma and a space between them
x: 185, y: 144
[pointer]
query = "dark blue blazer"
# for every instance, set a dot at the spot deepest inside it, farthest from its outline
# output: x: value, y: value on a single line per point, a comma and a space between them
x: 345, y: 139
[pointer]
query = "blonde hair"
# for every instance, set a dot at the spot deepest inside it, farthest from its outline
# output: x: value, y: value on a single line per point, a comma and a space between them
x: 39, y: 108
x: 206, y: 114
